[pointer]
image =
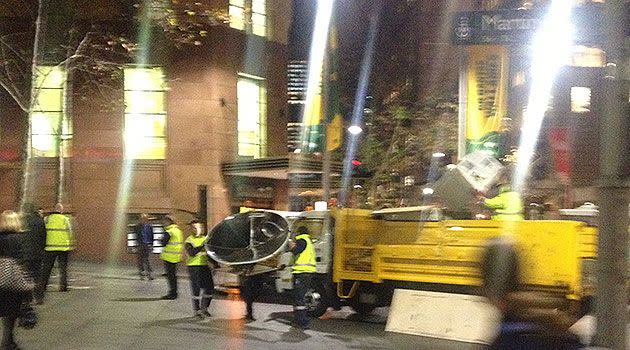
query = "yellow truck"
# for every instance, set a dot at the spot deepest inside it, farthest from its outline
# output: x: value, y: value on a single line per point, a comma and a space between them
x: 364, y: 255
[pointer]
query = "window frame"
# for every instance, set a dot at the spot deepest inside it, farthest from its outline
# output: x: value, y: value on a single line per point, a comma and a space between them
x: 261, y: 143
x: 52, y: 114
x: 242, y: 14
x: 159, y: 115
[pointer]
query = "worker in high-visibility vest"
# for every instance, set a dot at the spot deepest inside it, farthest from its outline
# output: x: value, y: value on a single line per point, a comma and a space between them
x: 303, y: 269
x: 507, y: 205
x: 201, y: 283
x: 173, y: 242
x: 59, y: 243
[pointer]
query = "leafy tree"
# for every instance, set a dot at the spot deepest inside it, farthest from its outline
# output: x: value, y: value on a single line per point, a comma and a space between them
x: 401, y: 138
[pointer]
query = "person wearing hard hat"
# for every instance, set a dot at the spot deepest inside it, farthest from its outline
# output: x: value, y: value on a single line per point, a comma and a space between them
x: 201, y: 283
x: 173, y: 242
x: 304, y: 266
x: 59, y: 244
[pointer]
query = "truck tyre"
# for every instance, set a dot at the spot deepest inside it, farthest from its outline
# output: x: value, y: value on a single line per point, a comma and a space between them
x: 362, y: 309
x: 316, y: 299
x: 499, y: 270
x: 364, y: 300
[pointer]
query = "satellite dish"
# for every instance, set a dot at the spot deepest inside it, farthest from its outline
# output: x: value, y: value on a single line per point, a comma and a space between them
x: 248, y: 238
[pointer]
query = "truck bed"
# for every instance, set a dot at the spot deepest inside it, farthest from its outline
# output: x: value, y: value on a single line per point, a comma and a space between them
x: 449, y: 252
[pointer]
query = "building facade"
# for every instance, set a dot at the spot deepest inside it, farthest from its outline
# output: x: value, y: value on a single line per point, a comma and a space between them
x: 202, y: 95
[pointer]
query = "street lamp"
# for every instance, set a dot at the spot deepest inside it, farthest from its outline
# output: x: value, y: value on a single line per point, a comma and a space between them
x: 355, y: 130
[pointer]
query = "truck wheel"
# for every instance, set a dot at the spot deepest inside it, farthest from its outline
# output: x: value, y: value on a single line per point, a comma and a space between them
x: 365, y: 300
x: 499, y: 270
x: 362, y: 309
x: 316, y: 300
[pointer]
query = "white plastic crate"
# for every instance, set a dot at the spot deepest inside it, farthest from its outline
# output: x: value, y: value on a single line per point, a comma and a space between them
x: 480, y: 169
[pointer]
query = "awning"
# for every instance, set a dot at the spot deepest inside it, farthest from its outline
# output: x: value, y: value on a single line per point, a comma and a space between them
x: 279, y: 168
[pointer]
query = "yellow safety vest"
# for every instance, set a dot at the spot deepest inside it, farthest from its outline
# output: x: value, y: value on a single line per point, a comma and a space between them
x: 305, y: 261
x: 58, y: 234
x: 201, y: 259
x: 508, y: 205
x: 173, y: 251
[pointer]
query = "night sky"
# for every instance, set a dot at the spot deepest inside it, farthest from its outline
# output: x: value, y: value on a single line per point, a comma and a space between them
x: 410, y: 47
x: 352, y: 24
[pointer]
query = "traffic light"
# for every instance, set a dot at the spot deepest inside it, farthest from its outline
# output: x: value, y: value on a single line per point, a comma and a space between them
x: 359, y: 170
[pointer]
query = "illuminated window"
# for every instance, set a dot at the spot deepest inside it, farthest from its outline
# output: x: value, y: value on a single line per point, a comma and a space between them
x: 252, y: 126
x: 50, y: 128
x: 585, y: 56
x: 249, y: 15
x: 145, y: 113
x: 580, y: 99
x: 584, y: 2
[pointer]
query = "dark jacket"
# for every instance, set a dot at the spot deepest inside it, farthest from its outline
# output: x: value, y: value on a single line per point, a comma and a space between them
x: 34, y: 241
x: 144, y: 232
x: 11, y: 247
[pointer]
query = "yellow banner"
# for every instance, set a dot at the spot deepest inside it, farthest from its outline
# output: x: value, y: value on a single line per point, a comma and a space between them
x: 313, y: 110
x: 334, y: 133
x: 486, y: 100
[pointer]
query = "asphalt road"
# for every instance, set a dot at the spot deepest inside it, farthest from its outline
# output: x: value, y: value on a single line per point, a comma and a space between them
x: 110, y: 308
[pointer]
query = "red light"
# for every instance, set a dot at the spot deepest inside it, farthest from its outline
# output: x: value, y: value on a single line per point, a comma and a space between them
x: 356, y: 162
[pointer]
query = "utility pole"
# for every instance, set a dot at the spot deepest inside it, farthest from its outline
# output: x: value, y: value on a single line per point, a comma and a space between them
x: 612, y: 293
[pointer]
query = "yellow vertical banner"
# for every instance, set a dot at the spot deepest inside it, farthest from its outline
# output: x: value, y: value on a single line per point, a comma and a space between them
x: 486, y: 97
x: 313, y: 109
x: 334, y: 133
x: 334, y: 120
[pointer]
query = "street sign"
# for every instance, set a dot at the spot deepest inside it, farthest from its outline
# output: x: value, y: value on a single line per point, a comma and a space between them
x: 519, y: 26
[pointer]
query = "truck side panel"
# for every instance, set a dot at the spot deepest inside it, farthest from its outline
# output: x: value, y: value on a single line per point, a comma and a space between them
x: 449, y: 252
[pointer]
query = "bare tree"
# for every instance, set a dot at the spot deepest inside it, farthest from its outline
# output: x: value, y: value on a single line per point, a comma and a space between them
x: 92, y: 58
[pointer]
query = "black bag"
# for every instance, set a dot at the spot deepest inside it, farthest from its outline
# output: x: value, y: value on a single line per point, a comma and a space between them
x: 27, y: 318
x: 13, y: 277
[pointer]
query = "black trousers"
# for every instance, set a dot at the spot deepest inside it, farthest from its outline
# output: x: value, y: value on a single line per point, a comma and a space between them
x: 49, y: 261
x: 202, y: 286
x: 144, y: 266
x: 34, y: 267
x: 8, y: 325
x: 171, y: 277
x: 250, y: 289
x: 301, y: 285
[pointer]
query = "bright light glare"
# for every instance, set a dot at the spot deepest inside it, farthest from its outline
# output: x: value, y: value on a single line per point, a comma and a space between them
x: 439, y: 155
x: 355, y: 130
x: 427, y: 191
x: 551, y: 49
x: 318, y: 48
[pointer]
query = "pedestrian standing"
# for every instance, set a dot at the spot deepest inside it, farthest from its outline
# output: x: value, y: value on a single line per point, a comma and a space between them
x: 303, y: 269
x: 201, y: 283
x: 34, y: 241
x: 173, y: 242
x: 144, y: 233
x: 59, y: 243
x: 12, y: 298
